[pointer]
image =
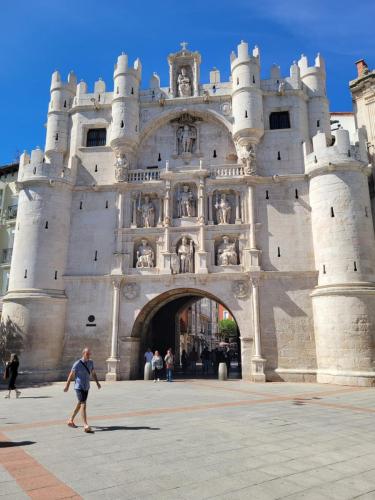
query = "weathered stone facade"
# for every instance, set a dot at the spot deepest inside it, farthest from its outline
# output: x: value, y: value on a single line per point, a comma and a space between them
x: 236, y: 191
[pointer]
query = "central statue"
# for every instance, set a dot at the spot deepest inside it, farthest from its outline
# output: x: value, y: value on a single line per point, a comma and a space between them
x: 185, y: 203
x: 183, y: 84
x: 186, y: 139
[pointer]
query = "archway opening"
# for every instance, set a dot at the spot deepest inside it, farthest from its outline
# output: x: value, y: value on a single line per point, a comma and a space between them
x: 200, y: 330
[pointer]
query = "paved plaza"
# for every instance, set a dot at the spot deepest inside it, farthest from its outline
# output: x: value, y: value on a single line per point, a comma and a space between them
x: 191, y: 439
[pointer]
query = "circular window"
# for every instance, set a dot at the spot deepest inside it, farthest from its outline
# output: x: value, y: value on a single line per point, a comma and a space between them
x: 91, y: 318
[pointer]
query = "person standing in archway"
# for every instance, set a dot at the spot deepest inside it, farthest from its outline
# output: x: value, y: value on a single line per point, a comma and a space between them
x: 11, y: 373
x: 169, y: 365
x: 157, y: 366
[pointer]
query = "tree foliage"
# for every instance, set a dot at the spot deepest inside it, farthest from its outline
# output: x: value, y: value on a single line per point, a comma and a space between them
x: 227, y: 328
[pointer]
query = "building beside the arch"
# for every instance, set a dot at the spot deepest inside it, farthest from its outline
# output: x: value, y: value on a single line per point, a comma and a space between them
x: 236, y: 191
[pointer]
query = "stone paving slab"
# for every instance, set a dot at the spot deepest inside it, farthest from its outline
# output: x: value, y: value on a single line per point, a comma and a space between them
x: 193, y: 439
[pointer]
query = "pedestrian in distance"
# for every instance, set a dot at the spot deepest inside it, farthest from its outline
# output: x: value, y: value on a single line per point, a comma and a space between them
x: 184, y: 361
x: 81, y: 371
x: 10, y: 374
x: 148, y: 356
x: 193, y: 358
x: 157, y: 365
x: 169, y: 364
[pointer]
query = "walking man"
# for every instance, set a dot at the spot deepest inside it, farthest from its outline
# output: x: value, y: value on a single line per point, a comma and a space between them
x: 81, y: 371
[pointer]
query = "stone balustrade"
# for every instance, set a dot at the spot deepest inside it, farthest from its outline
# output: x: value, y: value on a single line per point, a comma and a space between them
x: 138, y: 176
x: 227, y: 171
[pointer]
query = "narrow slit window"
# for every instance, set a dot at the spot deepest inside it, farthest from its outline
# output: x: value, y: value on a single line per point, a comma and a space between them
x: 332, y: 212
x: 96, y: 168
x: 132, y: 91
x: 238, y: 81
x: 366, y: 211
x: 64, y: 104
x: 278, y: 155
x: 106, y: 204
x: 245, y: 114
x: 296, y: 194
x: 46, y: 225
x: 99, y: 98
x: 56, y: 137
x: 355, y: 266
x: 80, y: 205
x: 55, y: 275
x: 214, y: 154
x: 34, y: 170
x: 25, y: 275
x: 278, y: 252
x: 159, y: 157
x: 267, y: 195
x: 117, y: 90
x: 96, y: 255
x: 324, y: 269
x: 122, y: 124
x: 253, y: 79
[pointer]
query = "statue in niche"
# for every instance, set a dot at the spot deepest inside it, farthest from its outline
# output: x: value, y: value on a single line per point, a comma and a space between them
x: 226, y: 253
x: 186, y: 139
x: 185, y: 252
x: 121, y: 167
x: 147, y: 211
x: 223, y: 209
x: 185, y: 203
x: 145, y: 255
x: 183, y: 84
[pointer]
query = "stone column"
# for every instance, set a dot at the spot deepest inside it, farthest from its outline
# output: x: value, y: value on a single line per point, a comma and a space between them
x: 201, y: 215
x: 134, y: 213
x: 113, y: 360
x: 210, y: 214
x: 238, y: 206
x: 160, y: 218
x: 251, y: 207
x: 257, y: 362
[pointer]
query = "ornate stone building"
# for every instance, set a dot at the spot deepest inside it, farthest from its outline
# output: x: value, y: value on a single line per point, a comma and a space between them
x: 236, y: 191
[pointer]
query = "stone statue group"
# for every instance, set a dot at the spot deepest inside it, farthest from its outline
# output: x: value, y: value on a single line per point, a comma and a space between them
x: 182, y: 261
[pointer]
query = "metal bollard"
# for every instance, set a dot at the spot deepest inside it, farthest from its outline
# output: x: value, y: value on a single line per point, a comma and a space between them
x: 148, y: 371
x: 223, y: 372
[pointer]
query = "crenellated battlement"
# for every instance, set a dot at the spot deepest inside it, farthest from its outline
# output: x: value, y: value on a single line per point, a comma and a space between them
x: 243, y: 55
x: 35, y: 167
x: 339, y: 153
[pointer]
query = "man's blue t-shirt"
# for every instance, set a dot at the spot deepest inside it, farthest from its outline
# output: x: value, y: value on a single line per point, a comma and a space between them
x: 82, y: 374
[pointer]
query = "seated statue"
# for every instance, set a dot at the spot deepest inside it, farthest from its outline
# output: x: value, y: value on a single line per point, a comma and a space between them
x: 145, y: 255
x: 183, y: 84
x: 227, y: 253
x: 223, y: 210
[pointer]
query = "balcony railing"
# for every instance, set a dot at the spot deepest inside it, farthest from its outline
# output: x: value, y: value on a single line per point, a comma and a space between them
x: 11, y: 212
x: 143, y: 175
x: 6, y: 255
x: 227, y: 171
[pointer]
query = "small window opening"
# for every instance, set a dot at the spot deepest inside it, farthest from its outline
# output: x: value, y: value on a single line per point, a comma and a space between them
x: 355, y: 266
x: 25, y: 275
x: 136, y: 128
x: 332, y: 212
x: 267, y: 196
x: 18, y: 227
x: 324, y: 269
x: 214, y: 154
x: 349, y: 153
x: 159, y: 157
x: 278, y: 252
x: 91, y: 318
x: 96, y: 137
x: 64, y: 104
x: 56, y: 137
x: 366, y: 212
x: 245, y: 114
x: 238, y: 81
x: 46, y: 225
x: 277, y: 81
x: 117, y: 90
x: 279, y: 120
x: 122, y: 124
x: 214, y: 87
x: 278, y: 155
x: 34, y: 170
x: 296, y: 194
x: 132, y: 91
x: 96, y: 255
x: 253, y: 79
x: 315, y: 159
x: 99, y: 98
x: 106, y: 204
x: 318, y: 123
x: 55, y: 275
x: 80, y: 205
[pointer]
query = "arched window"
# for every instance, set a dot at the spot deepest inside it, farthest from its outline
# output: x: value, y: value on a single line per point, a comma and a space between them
x: 96, y: 137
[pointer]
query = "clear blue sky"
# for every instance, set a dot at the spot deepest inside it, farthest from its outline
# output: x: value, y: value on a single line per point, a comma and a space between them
x: 39, y: 36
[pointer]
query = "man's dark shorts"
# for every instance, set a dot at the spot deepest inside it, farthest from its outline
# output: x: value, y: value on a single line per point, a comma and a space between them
x: 82, y: 395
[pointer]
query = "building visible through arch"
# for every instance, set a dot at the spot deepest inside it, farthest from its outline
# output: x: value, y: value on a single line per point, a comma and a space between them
x: 236, y: 191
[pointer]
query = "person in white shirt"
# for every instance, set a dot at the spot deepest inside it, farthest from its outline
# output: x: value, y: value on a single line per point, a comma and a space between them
x: 148, y: 356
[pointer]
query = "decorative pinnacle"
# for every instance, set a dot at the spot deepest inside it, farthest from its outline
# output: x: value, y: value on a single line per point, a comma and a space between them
x: 184, y: 45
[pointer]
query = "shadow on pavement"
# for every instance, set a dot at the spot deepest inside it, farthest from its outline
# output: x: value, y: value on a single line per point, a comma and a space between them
x: 11, y: 444
x: 35, y: 397
x: 123, y: 428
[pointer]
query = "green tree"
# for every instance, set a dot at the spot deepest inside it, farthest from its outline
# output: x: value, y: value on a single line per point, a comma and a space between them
x: 227, y: 328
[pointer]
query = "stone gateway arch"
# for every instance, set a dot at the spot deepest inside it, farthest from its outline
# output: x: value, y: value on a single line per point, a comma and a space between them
x: 236, y: 191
